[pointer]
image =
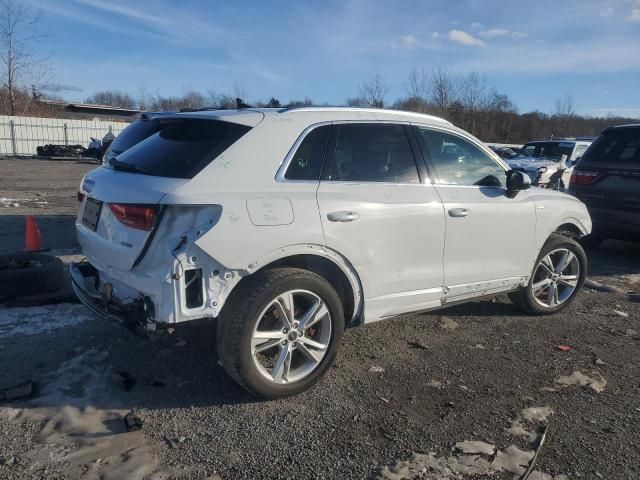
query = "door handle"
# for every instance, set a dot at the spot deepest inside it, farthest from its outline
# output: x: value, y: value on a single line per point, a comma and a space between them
x: 344, y: 216
x: 459, y: 212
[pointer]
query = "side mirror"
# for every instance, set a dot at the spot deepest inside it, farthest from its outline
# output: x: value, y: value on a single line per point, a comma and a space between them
x: 517, y: 180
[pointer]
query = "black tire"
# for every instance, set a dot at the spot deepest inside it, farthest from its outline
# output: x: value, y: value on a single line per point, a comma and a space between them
x: 591, y: 242
x: 29, y: 273
x: 524, y: 297
x: 240, y: 313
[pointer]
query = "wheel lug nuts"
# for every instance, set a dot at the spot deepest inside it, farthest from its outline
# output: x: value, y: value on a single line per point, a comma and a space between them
x: 300, y: 333
x: 284, y: 342
x: 285, y: 330
x: 294, y: 344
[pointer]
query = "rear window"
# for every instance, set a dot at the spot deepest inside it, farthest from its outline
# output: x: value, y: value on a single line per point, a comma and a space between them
x: 615, y: 146
x: 134, y: 133
x: 179, y: 148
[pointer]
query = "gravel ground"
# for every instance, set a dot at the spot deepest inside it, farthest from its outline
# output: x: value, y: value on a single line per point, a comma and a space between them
x: 409, y: 388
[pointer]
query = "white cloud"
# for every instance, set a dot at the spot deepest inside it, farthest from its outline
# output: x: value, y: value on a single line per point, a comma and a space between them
x: 494, y: 32
x: 436, y: 35
x: 463, y: 38
x: 606, y: 12
x: 409, y: 40
x: 501, y: 32
x: 476, y: 25
x: 635, y: 15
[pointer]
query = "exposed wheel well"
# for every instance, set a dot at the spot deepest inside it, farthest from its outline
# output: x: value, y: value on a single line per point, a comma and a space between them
x: 569, y: 230
x: 326, y: 269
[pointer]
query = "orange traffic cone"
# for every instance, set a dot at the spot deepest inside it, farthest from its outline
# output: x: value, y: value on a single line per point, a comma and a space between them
x: 33, y: 242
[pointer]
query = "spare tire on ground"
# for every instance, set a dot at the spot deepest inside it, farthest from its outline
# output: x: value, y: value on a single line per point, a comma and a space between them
x: 23, y: 274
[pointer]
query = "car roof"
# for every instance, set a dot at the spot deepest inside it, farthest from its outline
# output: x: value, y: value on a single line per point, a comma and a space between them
x: 320, y: 113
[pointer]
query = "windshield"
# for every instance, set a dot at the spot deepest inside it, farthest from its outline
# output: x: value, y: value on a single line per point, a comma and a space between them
x: 547, y: 150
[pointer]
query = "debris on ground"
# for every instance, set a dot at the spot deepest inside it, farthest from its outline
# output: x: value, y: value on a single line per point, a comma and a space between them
x: 620, y: 313
x: 599, y: 361
x: 596, y: 382
x: 630, y: 332
x: 376, y: 369
x: 417, y: 344
x: 449, y: 323
x: 173, y: 441
x: 564, y: 348
x: 536, y: 414
x: 475, y: 446
x: 434, y: 384
x: 529, y: 471
x: 133, y: 422
x: 20, y: 391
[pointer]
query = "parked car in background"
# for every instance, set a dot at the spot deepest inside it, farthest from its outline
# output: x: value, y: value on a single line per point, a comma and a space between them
x: 541, y: 160
x: 505, y: 152
x: 607, y: 180
x: 289, y: 225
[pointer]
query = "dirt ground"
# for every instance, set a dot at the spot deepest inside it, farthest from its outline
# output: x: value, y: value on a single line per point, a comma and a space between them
x: 402, y: 396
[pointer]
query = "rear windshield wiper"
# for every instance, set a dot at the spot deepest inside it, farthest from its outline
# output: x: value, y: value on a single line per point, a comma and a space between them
x: 125, y: 167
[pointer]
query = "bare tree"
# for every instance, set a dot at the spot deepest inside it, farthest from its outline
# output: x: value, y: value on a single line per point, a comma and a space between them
x: 564, y: 107
x: 473, y: 96
x: 114, y: 98
x: 373, y: 91
x: 444, y: 91
x: 239, y: 90
x: 21, y: 68
x: 417, y: 88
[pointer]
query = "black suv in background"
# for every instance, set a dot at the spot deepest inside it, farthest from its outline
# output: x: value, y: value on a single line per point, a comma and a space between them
x: 607, y: 180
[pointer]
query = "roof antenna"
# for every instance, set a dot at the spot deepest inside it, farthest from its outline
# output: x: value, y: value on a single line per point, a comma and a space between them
x: 240, y: 104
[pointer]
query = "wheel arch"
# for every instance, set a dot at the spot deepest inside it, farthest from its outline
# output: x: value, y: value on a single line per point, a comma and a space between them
x: 571, y: 230
x: 325, y: 262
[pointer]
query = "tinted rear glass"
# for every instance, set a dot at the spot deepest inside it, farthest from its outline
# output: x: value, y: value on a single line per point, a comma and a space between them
x: 180, y: 148
x: 620, y: 146
x: 134, y: 133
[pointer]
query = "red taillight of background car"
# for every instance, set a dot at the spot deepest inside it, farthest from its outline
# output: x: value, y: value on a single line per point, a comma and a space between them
x: 80, y: 196
x: 583, y: 177
x: 141, y: 217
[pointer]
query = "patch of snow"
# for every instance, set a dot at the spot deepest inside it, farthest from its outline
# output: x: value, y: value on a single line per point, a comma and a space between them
x: 474, y: 446
x: 596, y: 382
x: 36, y: 320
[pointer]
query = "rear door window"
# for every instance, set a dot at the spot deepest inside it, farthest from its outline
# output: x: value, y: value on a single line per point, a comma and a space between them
x: 180, y: 148
x: 306, y: 163
x: 619, y: 146
x: 371, y: 153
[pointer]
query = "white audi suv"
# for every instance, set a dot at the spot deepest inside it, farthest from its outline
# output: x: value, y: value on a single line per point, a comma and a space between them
x: 290, y: 225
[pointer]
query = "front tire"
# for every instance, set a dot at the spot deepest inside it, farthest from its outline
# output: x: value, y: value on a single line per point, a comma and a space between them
x: 280, y: 331
x: 558, y: 276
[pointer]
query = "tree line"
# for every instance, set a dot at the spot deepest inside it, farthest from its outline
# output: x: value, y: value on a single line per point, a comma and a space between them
x: 468, y: 101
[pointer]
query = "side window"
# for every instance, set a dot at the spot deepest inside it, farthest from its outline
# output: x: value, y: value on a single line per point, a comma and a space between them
x: 306, y: 163
x: 459, y: 162
x: 372, y: 153
x: 580, y: 149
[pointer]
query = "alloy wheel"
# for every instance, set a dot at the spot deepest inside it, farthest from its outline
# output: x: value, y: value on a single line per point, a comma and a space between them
x: 555, y: 278
x: 291, y: 336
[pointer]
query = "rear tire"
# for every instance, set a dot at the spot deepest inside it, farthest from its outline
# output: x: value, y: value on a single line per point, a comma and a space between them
x: 270, y: 351
x: 557, y: 277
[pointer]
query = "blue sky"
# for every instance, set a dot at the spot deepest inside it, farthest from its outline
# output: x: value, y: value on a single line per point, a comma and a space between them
x: 534, y: 51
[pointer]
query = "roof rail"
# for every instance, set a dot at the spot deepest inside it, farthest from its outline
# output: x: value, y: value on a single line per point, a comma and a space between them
x: 367, y: 110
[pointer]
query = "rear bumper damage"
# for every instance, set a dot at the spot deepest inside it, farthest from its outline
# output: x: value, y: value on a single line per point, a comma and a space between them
x: 85, y: 280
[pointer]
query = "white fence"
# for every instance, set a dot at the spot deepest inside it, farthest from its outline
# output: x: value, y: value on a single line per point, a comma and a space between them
x: 19, y: 136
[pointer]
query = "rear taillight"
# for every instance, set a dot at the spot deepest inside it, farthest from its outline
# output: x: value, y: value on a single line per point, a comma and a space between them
x: 141, y: 217
x: 80, y: 196
x: 583, y: 177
